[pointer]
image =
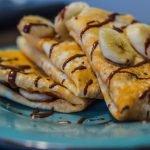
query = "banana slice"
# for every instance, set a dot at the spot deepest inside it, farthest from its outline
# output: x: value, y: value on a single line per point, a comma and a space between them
x: 115, y: 46
x: 74, y: 9
x: 139, y: 36
x: 67, y: 13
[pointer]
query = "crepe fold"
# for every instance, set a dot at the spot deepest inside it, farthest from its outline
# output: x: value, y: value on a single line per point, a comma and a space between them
x: 63, y: 61
x: 125, y: 88
x: 22, y: 82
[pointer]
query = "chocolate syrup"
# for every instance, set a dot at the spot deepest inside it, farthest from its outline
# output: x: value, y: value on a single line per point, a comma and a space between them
x: 134, y: 21
x: 37, y: 114
x: 96, y: 24
x: 13, y: 73
x: 147, y: 44
x: 71, y: 58
x: 76, y: 17
x: 145, y: 93
x: 124, y: 108
x: 87, y: 85
x: 62, y: 13
x: 44, y: 101
x: 36, y: 110
x: 63, y: 81
x: 12, y: 78
x: 125, y: 67
x: 81, y: 67
x: 118, y: 29
x: 96, y: 119
x: 53, y: 85
x: 133, y: 74
x: 81, y: 120
x: 36, y: 81
x: 51, y: 49
x: 95, y: 44
x: 27, y: 27
x: 109, y: 105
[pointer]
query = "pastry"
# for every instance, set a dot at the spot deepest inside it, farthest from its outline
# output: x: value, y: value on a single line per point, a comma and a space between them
x: 64, y: 61
x: 22, y: 82
x: 118, y: 50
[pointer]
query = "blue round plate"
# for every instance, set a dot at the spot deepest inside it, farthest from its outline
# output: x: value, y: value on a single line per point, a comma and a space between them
x: 99, y: 130
x: 92, y: 128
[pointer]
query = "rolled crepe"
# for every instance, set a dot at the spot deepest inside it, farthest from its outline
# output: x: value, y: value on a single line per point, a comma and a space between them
x: 22, y: 82
x: 64, y: 61
x: 125, y: 87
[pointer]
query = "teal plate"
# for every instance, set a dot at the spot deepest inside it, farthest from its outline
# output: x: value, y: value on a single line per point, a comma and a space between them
x: 98, y: 130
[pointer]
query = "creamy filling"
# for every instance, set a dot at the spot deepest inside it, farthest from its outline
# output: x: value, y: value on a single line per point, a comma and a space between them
x: 35, y: 96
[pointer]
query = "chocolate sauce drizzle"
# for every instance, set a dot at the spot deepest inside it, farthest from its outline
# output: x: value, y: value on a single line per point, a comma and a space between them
x: 81, y: 120
x: 133, y: 74
x: 81, y: 67
x: 124, y: 109
x: 36, y: 110
x: 125, y: 67
x: 51, y: 49
x: 71, y: 58
x: 134, y: 21
x: 12, y: 78
x: 120, y: 29
x: 96, y: 24
x: 96, y: 119
x: 145, y: 93
x: 62, y: 13
x: 76, y: 17
x: 27, y: 27
x: 53, y: 85
x: 13, y: 73
x: 87, y: 85
x: 37, y: 114
x: 63, y: 81
x: 44, y: 101
x: 36, y: 81
x: 147, y: 44
x: 95, y: 44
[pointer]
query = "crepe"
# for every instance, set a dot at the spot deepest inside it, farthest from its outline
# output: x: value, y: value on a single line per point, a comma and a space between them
x: 64, y: 61
x: 22, y: 82
x: 125, y: 87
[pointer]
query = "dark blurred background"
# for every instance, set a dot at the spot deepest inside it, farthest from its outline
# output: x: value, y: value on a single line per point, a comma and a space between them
x: 12, y: 10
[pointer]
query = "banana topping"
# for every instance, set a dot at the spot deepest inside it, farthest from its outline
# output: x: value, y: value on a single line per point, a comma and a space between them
x: 74, y: 9
x: 115, y: 46
x: 139, y: 36
x: 67, y: 13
